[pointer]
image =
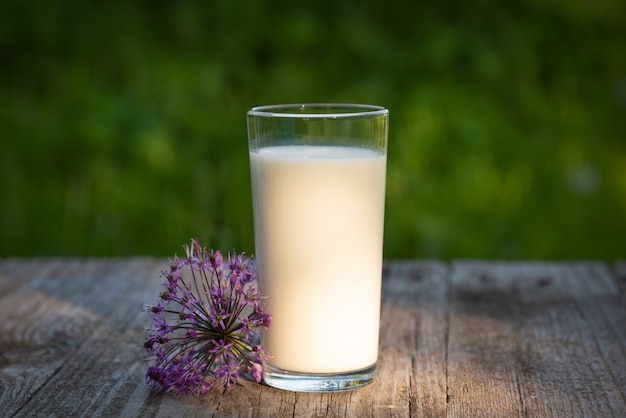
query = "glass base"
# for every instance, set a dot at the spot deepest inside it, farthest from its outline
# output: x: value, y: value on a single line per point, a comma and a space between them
x: 323, y: 382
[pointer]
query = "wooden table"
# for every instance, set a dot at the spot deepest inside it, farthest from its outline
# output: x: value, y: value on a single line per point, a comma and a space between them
x: 466, y: 338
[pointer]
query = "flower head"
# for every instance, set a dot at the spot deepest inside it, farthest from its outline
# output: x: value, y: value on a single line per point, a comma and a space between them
x: 206, y: 324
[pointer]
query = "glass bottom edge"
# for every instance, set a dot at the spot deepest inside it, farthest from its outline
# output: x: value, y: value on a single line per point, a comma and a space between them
x: 323, y: 382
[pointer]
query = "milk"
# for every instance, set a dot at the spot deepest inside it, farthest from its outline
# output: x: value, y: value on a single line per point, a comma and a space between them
x: 319, y: 235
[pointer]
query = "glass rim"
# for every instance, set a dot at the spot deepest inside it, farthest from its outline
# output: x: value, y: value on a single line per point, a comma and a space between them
x: 305, y: 110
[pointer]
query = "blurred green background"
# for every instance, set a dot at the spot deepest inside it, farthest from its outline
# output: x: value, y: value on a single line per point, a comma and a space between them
x: 123, y: 129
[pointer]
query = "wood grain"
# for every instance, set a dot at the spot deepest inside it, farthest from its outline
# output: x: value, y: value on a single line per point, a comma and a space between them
x: 535, y: 339
x: 468, y: 338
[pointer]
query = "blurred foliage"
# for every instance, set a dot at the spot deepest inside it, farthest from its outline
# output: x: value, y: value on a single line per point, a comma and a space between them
x: 123, y: 123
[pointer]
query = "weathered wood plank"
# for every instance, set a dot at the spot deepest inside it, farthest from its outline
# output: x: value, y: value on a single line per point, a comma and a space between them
x: 413, y: 336
x: 38, y: 332
x: 470, y: 339
x: 75, y: 318
x: 480, y: 341
x: 536, y: 339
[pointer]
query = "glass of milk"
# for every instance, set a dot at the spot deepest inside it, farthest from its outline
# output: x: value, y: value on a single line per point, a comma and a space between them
x: 318, y: 184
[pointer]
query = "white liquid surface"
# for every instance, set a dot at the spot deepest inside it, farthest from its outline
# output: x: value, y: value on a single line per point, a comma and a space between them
x: 319, y: 235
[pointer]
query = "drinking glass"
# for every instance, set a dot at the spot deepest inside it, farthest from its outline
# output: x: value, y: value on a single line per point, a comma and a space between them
x: 318, y: 185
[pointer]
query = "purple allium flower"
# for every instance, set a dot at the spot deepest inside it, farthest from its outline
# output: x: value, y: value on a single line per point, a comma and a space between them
x: 207, y: 324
